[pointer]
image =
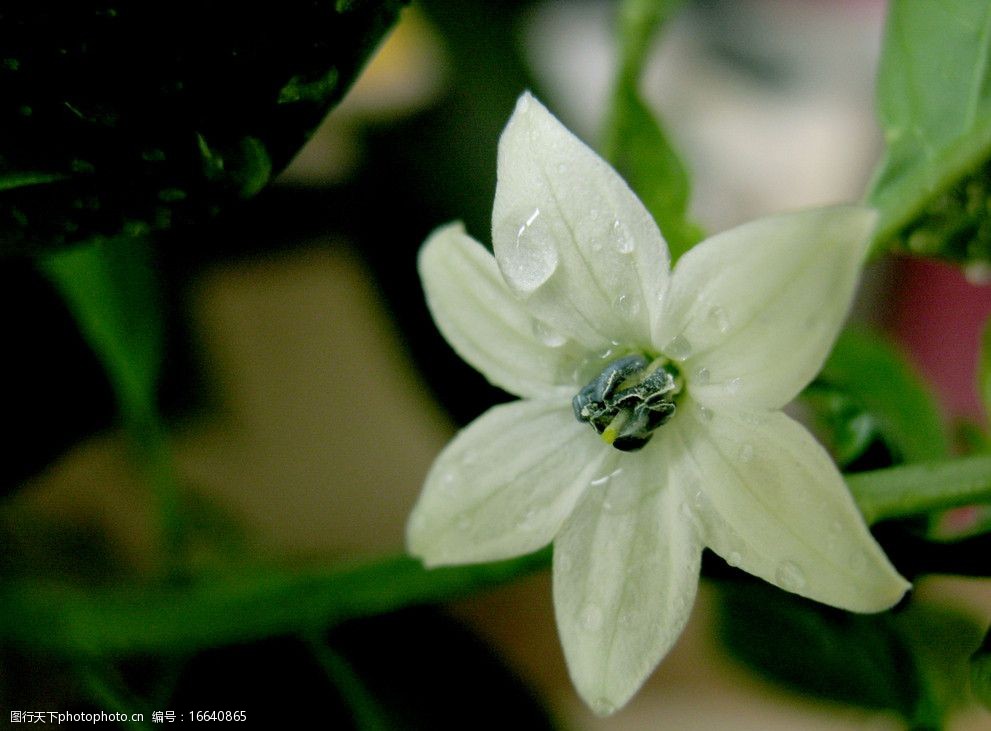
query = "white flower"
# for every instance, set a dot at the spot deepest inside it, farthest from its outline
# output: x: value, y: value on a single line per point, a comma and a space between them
x: 580, y: 281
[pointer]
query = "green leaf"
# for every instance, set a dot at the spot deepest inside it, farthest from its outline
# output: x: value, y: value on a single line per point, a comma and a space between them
x: 934, y: 103
x: 912, y: 662
x: 871, y: 374
x: 111, y: 288
x: 850, y: 658
x: 145, y: 116
x: 635, y: 142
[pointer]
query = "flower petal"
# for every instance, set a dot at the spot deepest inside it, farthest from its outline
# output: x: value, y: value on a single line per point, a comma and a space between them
x: 505, y: 484
x: 482, y: 320
x: 772, y: 502
x: 626, y: 568
x: 571, y: 238
x: 753, y: 312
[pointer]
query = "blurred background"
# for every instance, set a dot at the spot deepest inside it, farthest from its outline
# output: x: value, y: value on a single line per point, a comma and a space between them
x: 307, y: 390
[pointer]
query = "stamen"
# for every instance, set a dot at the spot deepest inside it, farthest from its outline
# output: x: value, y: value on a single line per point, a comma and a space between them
x: 628, y: 400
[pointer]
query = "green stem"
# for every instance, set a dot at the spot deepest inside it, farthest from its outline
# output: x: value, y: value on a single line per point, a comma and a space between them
x: 914, y: 489
x: 241, y: 607
x: 111, y: 288
x: 106, y: 694
x: 365, y: 710
x: 230, y: 608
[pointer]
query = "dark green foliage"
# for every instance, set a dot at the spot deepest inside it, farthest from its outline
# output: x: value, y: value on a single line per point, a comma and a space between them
x: 911, y: 661
x: 134, y: 117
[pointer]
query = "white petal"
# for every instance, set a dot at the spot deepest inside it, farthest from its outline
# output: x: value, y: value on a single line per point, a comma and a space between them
x: 505, y: 484
x: 485, y: 323
x: 753, y: 312
x: 626, y: 568
x: 571, y: 237
x: 772, y: 502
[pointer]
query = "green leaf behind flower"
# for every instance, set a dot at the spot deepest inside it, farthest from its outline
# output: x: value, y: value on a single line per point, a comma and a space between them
x: 867, y: 388
x: 634, y: 140
x: 934, y: 103
x: 912, y: 662
x: 145, y: 116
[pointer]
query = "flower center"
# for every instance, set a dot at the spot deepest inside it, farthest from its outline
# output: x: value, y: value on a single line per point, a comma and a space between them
x: 629, y: 399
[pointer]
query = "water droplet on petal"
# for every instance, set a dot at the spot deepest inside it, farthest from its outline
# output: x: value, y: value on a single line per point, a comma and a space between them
x: 858, y: 561
x: 603, y: 707
x: 718, y: 319
x: 702, y: 376
x: 734, y: 385
x: 704, y: 413
x: 621, y: 239
x: 592, y: 618
x: 531, y: 260
x: 628, y: 305
x: 594, y: 214
x: 745, y: 453
x: 605, y: 478
x: 528, y: 521
x: 686, y: 511
x: 448, y: 480
x: 547, y: 335
x: 789, y: 576
x: 679, y: 348
x: 734, y: 558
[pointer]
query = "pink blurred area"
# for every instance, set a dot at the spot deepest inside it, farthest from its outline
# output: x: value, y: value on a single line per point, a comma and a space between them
x: 939, y: 316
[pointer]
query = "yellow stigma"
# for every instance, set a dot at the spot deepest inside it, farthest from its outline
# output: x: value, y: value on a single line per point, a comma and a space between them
x: 610, y: 433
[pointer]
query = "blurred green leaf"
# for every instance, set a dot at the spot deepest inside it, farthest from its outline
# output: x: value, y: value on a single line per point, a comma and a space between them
x: 852, y: 429
x: 635, y: 142
x: 811, y: 648
x: 912, y: 662
x: 145, y: 116
x: 934, y: 103
x: 872, y: 375
x: 111, y: 288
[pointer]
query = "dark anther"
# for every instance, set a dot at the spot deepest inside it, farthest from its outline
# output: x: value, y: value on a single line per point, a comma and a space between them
x: 627, y: 401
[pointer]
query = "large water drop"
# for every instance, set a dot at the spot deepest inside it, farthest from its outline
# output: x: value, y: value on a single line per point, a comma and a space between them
x: 622, y: 241
x: 548, y: 335
x: 628, y: 306
x: 679, y: 348
x: 532, y: 258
